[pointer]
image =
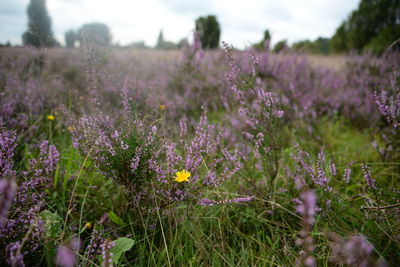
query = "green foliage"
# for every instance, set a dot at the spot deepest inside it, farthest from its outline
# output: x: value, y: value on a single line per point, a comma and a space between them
x: 264, y: 43
x: 96, y: 33
x: 52, y: 224
x: 280, y: 46
x: 70, y: 38
x: 209, y: 30
x: 373, y: 26
x: 319, y: 46
x: 339, y: 42
x: 115, y: 219
x: 138, y: 45
x: 160, y: 39
x: 165, y: 45
x: 122, y: 245
x: 52, y: 230
x: 39, y: 26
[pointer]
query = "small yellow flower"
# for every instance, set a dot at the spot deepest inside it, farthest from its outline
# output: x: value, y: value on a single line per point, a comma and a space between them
x: 182, y: 176
x: 88, y: 225
x: 71, y: 128
x: 51, y: 117
x: 162, y: 107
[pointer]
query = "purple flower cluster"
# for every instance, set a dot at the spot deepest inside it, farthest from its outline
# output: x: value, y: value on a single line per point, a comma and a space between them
x: 7, y: 147
x: 106, y: 254
x: 367, y: 175
x: 66, y: 253
x: 354, y: 251
x: 8, y: 184
x: 24, y: 221
x: 307, y: 208
x: 7, y: 193
x: 15, y: 256
x: 316, y: 173
x: 388, y: 101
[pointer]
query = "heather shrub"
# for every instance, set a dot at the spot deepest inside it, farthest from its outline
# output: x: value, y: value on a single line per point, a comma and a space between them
x: 23, y: 231
x: 387, y: 101
x: 258, y: 116
x: 137, y: 153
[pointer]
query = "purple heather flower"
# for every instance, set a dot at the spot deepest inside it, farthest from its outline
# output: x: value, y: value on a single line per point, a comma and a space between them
x: 307, y: 207
x: 367, y: 175
x: 106, y: 254
x: 332, y: 167
x: 15, y: 257
x: 136, y: 159
x: 8, y: 188
x: 7, y: 147
x: 49, y: 157
x: 346, y: 175
x: 66, y: 254
x: 206, y: 202
x: 355, y: 251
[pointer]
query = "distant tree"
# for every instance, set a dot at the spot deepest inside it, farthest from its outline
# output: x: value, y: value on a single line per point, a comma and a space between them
x: 339, y: 42
x: 264, y: 43
x: 280, y: 46
x: 209, y: 30
x: 165, y: 45
x: 183, y: 43
x: 138, y: 45
x: 70, y: 38
x: 319, y: 46
x: 39, y: 31
x: 160, y: 40
x: 373, y: 26
x: 96, y: 33
x: 7, y: 44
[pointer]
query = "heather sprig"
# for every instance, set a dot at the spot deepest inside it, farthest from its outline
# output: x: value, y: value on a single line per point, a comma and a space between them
x: 8, y: 184
x: 8, y: 188
x: 7, y: 147
x: 307, y: 208
x: 315, y: 170
x: 367, y: 175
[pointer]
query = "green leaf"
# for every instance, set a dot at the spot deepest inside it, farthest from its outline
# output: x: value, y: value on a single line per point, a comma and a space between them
x: 122, y: 245
x: 115, y: 219
x: 52, y: 223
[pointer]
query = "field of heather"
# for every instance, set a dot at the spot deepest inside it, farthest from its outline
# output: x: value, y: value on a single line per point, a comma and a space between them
x: 122, y: 157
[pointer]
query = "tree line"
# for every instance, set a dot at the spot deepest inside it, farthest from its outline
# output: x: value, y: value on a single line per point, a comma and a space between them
x: 374, y: 26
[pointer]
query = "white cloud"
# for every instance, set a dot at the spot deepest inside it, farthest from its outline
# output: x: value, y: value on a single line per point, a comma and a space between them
x: 242, y: 22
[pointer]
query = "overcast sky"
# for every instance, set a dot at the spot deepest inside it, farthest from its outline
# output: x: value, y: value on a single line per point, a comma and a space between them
x: 242, y: 21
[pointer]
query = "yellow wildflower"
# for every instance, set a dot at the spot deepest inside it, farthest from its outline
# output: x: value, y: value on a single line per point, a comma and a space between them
x: 88, y: 225
x: 162, y: 107
x: 71, y: 128
x: 51, y: 117
x: 182, y: 176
